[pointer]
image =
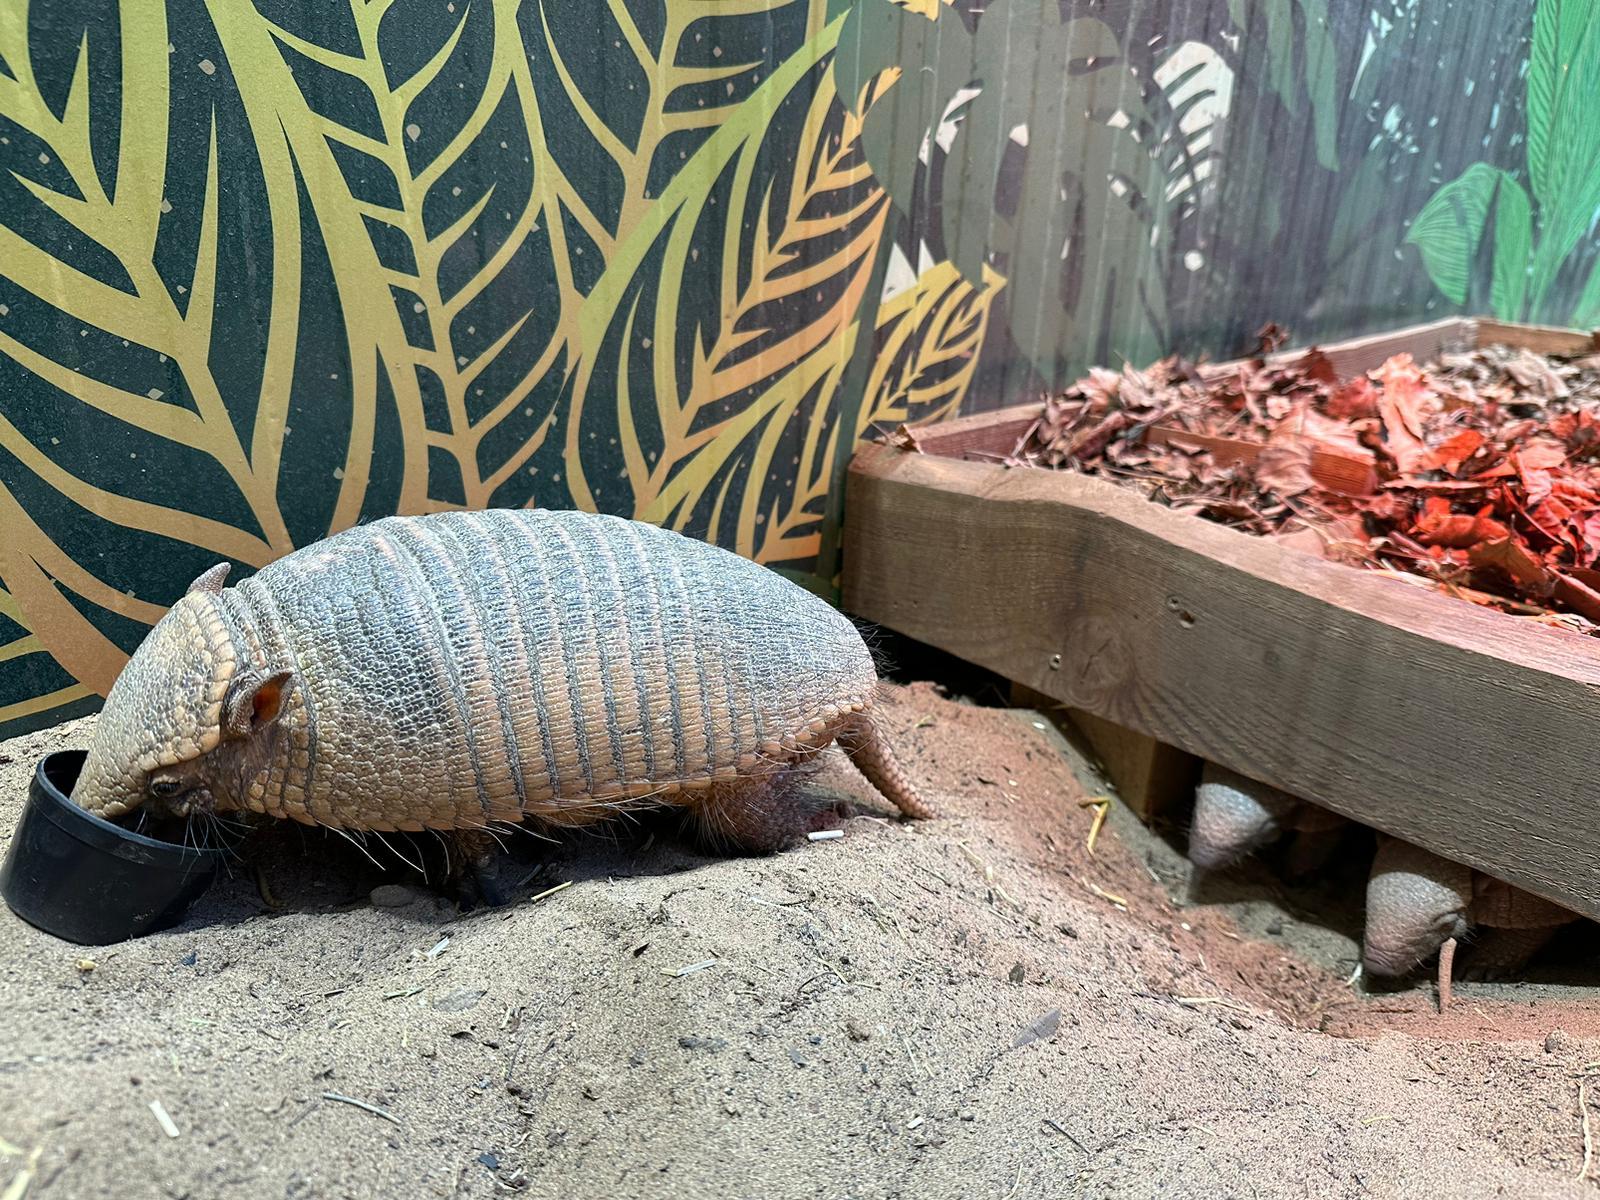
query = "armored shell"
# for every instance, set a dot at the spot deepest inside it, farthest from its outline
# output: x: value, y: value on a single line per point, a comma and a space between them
x: 452, y: 670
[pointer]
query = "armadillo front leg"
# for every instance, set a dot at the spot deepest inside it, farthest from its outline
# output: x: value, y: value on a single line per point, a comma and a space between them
x: 475, y: 868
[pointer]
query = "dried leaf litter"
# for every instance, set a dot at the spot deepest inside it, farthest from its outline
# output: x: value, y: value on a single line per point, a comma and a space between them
x: 1477, y: 474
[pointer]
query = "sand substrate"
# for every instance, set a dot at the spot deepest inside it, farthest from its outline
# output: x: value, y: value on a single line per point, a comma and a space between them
x: 974, y: 1007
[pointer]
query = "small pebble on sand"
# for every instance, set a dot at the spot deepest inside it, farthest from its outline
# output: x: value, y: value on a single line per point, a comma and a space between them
x: 392, y: 895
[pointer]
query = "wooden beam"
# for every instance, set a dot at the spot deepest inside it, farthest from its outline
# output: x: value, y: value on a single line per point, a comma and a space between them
x: 1541, y: 339
x: 1462, y: 730
x: 1151, y: 777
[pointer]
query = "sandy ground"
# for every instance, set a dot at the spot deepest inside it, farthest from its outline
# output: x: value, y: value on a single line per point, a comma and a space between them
x: 973, y: 1007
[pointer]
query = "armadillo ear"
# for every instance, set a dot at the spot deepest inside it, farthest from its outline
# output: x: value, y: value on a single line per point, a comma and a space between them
x: 254, y: 702
x: 211, y: 581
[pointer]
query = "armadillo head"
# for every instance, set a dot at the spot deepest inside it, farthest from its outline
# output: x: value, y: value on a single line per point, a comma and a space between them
x: 1234, y: 816
x: 1415, y: 900
x: 180, y: 725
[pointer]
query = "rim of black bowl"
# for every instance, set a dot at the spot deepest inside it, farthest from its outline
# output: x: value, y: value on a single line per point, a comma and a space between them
x: 63, y: 766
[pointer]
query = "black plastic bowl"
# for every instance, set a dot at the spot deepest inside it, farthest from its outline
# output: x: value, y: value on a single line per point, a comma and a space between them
x: 79, y: 877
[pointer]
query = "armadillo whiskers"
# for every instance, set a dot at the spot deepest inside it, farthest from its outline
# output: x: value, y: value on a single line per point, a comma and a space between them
x: 444, y: 844
x: 511, y: 831
x: 358, y: 843
x: 492, y: 832
x: 415, y: 866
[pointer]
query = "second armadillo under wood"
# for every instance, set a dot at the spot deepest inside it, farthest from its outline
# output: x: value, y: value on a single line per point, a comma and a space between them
x: 462, y: 669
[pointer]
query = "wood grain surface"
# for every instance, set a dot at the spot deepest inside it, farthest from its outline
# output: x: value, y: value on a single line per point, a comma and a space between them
x: 1463, y: 730
x: 1152, y: 778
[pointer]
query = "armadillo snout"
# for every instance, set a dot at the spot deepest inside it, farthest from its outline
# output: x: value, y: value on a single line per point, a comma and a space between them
x: 1415, y: 901
x: 1233, y: 816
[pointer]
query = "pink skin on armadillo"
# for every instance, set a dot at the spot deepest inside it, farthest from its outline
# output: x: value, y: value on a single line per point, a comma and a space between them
x: 1235, y: 816
x: 1417, y: 901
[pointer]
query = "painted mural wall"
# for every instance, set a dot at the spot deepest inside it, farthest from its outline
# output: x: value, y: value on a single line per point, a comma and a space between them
x: 271, y: 268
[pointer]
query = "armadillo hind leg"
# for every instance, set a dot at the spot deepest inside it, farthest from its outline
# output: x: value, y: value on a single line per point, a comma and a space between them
x: 1500, y: 952
x: 764, y: 814
x: 861, y: 737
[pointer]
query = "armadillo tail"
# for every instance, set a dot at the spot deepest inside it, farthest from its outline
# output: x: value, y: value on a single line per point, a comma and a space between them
x: 863, y: 740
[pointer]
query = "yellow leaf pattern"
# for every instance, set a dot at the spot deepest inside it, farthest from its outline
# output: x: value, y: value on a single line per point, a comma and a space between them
x: 267, y: 272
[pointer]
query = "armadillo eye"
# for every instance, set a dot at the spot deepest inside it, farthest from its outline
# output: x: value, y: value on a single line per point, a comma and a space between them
x: 164, y: 789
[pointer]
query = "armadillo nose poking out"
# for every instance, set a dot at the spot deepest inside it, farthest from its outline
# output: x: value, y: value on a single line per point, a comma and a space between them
x: 464, y: 669
x: 1233, y: 816
x: 1415, y: 902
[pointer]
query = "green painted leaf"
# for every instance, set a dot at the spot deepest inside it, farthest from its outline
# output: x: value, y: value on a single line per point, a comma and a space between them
x: 1302, y: 60
x: 1449, y: 232
x: 1448, y: 229
x: 1321, y: 66
x: 1563, y: 136
x: 1076, y: 228
x: 1586, y: 312
x: 1513, y: 242
x: 936, y: 58
x: 1563, y: 35
x: 1280, y: 51
x: 1092, y: 199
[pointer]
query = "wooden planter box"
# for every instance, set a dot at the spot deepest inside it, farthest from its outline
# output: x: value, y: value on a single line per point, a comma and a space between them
x: 1452, y: 726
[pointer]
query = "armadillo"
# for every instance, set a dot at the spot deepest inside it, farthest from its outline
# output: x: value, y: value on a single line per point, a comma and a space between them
x: 1235, y: 816
x: 460, y: 670
x: 1418, y: 902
